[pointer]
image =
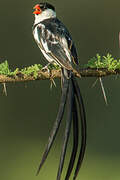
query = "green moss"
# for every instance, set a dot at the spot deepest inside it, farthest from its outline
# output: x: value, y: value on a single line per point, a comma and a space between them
x: 98, y: 61
x: 53, y: 66
x: 104, y: 62
x: 32, y: 70
x: 4, y: 68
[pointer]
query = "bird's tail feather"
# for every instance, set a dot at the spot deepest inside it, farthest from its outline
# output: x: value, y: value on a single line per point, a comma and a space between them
x: 67, y: 129
x: 74, y: 98
x: 56, y: 124
x: 83, y: 127
x: 75, y: 138
x: 70, y: 94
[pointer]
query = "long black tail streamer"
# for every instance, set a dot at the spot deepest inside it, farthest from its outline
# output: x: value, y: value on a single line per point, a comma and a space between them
x: 75, y: 139
x: 56, y: 124
x: 72, y: 95
x: 77, y: 99
x: 67, y: 129
x: 83, y: 127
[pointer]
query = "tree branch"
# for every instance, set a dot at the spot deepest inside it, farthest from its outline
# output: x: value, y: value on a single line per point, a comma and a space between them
x: 98, y: 66
x: 55, y: 73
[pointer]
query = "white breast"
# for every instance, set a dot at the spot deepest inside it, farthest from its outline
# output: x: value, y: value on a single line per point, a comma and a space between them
x: 35, y: 34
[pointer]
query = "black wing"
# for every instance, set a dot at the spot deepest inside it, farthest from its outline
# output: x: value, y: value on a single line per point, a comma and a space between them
x: 59, y: 43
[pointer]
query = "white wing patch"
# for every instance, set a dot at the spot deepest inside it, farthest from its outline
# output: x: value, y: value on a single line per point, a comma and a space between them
x: 51, y: 37
x: 45, y: 46
x: 66, y: 49
x: 51, y: 60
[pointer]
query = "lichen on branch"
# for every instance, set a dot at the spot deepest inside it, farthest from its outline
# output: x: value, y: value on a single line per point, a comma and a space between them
x: 98, y: 66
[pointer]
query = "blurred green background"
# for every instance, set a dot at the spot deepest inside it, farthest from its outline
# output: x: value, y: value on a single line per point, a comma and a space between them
x: 28, y: 112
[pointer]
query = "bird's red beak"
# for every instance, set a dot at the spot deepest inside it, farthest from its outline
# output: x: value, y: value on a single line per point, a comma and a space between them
x: 37, y: 9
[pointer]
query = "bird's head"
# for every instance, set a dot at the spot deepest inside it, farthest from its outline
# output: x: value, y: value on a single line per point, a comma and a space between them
x: 44, y: 11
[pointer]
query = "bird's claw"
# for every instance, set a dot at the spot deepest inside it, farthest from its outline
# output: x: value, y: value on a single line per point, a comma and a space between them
x: 45, y: 68
x: 52, y: 83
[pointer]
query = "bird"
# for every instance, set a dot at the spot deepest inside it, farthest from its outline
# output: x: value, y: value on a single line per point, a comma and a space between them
x: 57, y: 46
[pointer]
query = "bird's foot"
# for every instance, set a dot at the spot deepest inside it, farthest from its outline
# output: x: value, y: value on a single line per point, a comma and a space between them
x: 52, y: 82
x: 45, y: 68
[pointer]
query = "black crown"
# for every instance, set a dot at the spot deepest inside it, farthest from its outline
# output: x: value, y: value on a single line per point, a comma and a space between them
x: 46, y: 5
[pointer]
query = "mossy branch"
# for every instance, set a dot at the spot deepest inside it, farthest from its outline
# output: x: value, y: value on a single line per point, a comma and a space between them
x: 97, y: 67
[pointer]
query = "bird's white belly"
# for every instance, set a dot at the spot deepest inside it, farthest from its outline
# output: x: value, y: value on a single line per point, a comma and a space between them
x: 36, y: 35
